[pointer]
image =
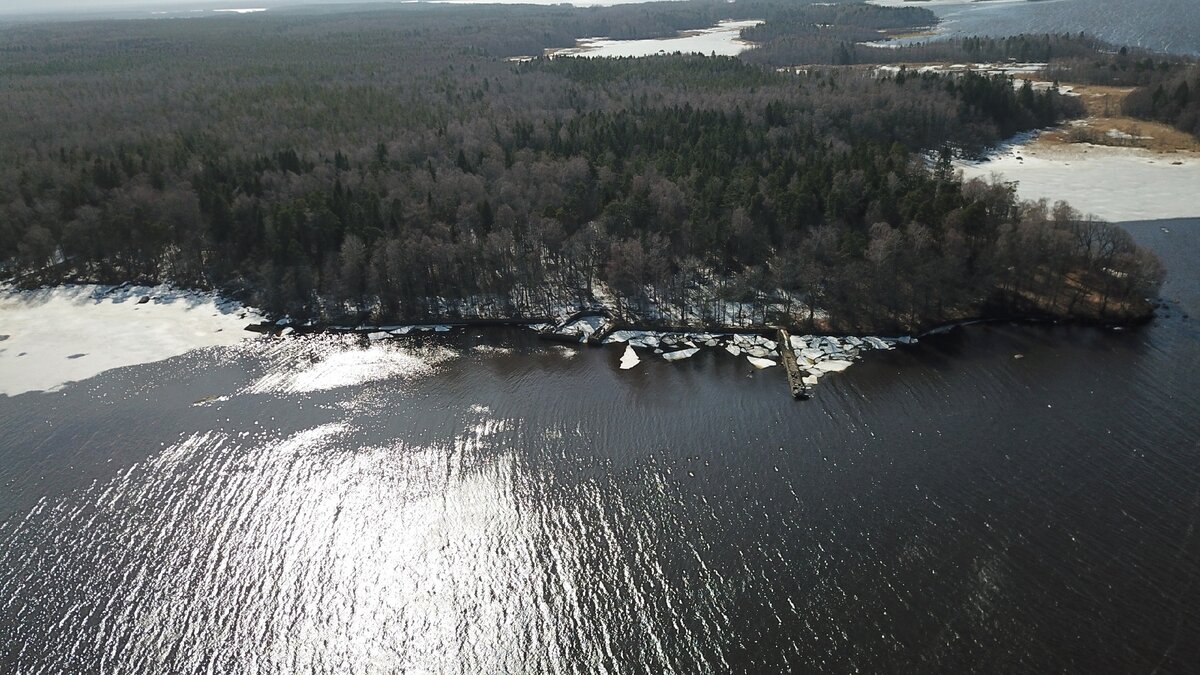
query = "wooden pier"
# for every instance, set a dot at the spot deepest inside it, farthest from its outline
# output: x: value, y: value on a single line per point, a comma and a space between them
x: 790, y: 366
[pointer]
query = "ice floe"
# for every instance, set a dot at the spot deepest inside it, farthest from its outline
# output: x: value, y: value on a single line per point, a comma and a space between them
x: 630, y: 358
x: 833, y: 365
x: 760, y: 363
x: 681, y: 354
x: 816, y: 355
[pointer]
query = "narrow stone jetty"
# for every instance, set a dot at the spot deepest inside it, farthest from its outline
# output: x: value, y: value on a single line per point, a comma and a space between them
x: 790, y: 366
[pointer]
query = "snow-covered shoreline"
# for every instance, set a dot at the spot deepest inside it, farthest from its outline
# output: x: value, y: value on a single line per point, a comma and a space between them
x: 55, y: 335
x: 1114, y: 183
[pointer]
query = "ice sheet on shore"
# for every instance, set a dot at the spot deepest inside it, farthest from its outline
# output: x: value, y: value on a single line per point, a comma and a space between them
x: 50, y: 328
x: 622, y: 336
x: 1117, y: 184
x: 407, y: 330
x: 583, y: 327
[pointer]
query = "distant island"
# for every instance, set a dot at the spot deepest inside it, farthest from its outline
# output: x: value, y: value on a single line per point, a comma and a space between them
x: 427, y: 162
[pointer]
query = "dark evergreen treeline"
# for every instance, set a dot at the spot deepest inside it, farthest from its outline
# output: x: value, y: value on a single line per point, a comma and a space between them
x: 1174, y: 100
x: 393, y: 161
x: 844, y: 45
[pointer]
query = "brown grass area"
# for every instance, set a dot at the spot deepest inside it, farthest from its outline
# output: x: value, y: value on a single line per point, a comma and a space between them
x: 1104, y: 118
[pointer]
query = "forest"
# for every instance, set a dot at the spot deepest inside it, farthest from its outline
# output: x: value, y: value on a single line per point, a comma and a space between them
x: 396, y: 163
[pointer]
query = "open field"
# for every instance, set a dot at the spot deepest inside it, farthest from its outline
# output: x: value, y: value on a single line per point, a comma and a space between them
x: 1105, y: 125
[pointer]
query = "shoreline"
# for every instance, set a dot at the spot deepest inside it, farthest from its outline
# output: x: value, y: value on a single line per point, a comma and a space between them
x: 68, y: 333
x: 803, y: 358
x: 276, y: 324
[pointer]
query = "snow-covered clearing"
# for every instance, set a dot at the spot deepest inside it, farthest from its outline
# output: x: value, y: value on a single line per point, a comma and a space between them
x: 52, y: 336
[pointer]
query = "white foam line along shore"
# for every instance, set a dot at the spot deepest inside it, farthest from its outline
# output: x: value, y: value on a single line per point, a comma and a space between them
x: 1116, y: 184
x: 52, y: 336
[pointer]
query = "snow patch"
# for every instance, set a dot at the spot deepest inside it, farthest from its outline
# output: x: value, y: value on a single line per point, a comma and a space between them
x: 68, y: 333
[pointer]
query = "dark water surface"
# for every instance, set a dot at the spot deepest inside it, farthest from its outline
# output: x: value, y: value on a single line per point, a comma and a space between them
x: 531, y: 508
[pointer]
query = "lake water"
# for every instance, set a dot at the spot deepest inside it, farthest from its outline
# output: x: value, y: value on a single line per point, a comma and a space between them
x: 723, y: 39
x: 1160, y: 25
x: 492, y: 503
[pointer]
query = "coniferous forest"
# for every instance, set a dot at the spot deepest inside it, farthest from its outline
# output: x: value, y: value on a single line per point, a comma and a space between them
x: 404, y: 163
